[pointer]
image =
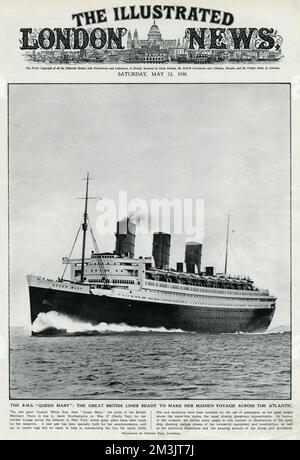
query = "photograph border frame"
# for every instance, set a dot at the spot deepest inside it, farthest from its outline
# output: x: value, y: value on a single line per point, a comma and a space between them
x: 290, y: 238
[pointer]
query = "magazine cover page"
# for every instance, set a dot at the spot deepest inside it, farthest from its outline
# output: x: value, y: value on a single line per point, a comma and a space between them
x: 149, y: 222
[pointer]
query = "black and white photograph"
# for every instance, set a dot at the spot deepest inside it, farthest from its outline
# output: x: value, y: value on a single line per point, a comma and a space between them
x: 149, y: 241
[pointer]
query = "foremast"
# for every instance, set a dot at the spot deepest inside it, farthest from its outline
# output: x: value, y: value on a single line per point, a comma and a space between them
x: 84, y: 228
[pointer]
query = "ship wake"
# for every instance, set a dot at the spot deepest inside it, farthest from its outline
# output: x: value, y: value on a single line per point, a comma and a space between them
x: 269, y: 331
x: 55, y: 323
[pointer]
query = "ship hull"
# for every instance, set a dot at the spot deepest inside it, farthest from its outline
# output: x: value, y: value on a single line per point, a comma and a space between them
x: 95, y: 309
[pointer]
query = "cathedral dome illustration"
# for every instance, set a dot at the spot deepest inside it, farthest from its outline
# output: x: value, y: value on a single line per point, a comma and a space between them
x: 154, y: 33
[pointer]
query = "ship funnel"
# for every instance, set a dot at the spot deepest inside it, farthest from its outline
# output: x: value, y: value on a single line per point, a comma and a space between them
x: 125, y: 238
x: 193, y: 252
x: 161, y: 249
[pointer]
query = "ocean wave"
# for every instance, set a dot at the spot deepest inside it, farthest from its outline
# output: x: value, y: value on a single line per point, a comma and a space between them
x: 279, y: 330
x: 61, y: 322
x: 273, y: 331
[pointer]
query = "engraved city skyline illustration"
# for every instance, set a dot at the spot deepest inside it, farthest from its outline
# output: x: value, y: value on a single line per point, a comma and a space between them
x: 191, y: 46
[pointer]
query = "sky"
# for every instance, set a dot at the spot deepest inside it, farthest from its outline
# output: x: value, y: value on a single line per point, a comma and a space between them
x: 226, y: 144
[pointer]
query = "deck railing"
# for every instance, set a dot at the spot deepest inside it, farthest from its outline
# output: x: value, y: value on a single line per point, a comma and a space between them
x: 205, y: 290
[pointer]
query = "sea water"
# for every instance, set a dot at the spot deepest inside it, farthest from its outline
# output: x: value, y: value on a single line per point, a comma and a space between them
x: 120, y: 362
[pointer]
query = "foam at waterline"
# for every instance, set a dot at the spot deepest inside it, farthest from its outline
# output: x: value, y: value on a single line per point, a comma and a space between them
x: 269, y: 331
x: 53, y: 319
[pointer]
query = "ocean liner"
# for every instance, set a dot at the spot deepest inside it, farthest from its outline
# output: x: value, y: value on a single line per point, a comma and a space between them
x: 117, y: 288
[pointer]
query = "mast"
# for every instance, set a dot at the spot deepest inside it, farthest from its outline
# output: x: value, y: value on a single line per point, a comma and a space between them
x: 227, y: 239
x: 84, y: 227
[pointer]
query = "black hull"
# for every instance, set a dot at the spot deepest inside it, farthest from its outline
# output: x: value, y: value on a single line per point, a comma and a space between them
x: 95, y: 309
